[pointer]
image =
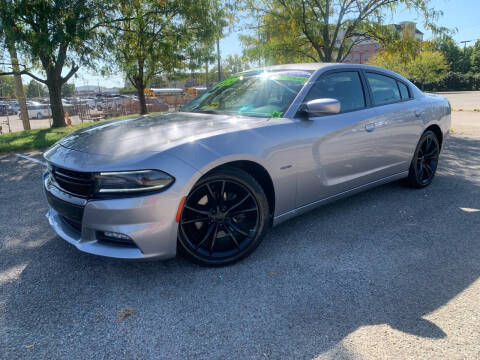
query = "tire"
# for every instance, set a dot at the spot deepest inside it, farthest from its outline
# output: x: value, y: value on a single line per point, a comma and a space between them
x: 425, y: 161
x: 233, y: 217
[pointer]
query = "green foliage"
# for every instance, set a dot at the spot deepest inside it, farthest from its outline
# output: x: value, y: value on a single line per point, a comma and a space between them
x: 7, y: 87
x: 326, y: 30
x: 454, y: 81
x: 35, y: 89
x: 424, y: 66
x: 277, y: 41
x: 451, y: 51
x: 34, y: 139
x: 52, y: 34
x: 428, y: 66
x: 475, y: 58
x: 68, y: 90
x: 154, y: 35
x: 234, y: 64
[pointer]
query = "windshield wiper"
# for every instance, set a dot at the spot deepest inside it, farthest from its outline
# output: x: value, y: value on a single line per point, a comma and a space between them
x: 207, y: 111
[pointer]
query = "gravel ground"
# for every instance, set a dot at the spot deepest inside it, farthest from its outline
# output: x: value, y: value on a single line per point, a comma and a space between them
x: 389, y: 273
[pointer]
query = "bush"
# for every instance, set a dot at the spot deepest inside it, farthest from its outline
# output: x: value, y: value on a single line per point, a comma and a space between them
x: 454, y: 81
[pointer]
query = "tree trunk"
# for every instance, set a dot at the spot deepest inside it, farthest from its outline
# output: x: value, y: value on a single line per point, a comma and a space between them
x: 140, y: 85
x: 56, y: 106
x: 19, y: 91
x: 141, y: 97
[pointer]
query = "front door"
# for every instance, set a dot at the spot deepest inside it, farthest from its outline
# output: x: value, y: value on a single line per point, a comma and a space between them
x: 340, y: 151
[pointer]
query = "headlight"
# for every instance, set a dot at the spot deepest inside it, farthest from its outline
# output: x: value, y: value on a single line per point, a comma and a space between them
x: 132, y: 181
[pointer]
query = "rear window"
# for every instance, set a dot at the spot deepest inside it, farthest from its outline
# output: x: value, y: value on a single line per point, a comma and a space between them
x: 384, y: 89
x: 403, y: 91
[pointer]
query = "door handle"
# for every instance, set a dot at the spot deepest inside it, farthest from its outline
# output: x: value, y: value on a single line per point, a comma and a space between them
x: 418, y: 113
x: 370, y: 127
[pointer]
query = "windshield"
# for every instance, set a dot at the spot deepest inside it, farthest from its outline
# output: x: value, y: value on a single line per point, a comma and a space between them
x: 260, y: 94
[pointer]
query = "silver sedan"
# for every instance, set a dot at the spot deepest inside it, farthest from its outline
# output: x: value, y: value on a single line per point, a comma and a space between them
x: 251, y: 152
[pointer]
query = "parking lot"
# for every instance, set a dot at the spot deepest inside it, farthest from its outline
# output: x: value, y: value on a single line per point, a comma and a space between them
x: 389, y: 273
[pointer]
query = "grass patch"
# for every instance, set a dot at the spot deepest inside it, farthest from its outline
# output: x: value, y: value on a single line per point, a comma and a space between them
x: 41, y: 138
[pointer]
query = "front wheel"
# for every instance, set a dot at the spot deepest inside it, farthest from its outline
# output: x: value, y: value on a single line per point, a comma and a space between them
x: 425, y: 161
x: 224, y: 218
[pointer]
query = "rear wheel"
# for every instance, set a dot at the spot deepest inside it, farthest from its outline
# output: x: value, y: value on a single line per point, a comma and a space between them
x: 224, y: 218
x: 425, y: 161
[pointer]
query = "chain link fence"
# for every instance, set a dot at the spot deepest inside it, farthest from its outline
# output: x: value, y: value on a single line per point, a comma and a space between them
x: 86, y: 109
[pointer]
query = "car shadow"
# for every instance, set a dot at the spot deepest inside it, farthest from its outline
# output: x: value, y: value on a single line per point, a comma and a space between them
x: 391, y: 255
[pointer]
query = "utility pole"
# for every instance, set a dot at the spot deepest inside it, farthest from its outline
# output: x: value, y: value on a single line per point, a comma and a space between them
x: 19, y: 92
x: 206, y: 73
x: 464, y: 53
x: 219, y: 59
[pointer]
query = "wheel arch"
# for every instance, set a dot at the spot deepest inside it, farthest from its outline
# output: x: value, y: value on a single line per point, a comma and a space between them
x: 438, y: 133
x: 254, y: 169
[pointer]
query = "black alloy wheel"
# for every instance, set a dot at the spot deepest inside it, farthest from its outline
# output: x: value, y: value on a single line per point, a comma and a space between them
x: 425, y: 161
x: 224, y: 218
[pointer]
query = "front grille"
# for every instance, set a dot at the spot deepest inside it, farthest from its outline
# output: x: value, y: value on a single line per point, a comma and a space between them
x: 74, y: 182
x: 71, y: 214
x: 75, y: 225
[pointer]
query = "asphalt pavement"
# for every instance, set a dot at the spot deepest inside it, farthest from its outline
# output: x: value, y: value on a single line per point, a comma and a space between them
x: 391, y: 273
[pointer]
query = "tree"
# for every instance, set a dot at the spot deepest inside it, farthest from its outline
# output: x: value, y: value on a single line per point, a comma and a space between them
x: 68, y: 90
x: 425, y: 66
x: 53, y: 34
x: 234, y: 64
x: 451, y: 51
x: 198, y: 57
x: 152, y: 39
x: 326, y: 30
x: 277, y: 42
x: 5, y: 33
x: 35, y: 89
x: 429, y: 66
x: 475, y: 58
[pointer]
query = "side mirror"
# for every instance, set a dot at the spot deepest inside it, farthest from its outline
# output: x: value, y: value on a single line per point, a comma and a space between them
x: 322, y: 107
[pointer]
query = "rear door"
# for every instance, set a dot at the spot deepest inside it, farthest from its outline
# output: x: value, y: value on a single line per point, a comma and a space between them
x: 397, y: 124
x: 338, y: 152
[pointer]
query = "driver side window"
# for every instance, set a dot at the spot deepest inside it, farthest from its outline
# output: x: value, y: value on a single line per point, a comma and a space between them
x: 344, y: 86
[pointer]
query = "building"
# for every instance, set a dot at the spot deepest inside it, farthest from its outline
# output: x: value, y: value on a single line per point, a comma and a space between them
x: 366, y: 49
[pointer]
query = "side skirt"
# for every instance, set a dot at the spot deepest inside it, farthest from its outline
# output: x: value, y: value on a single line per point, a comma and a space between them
x: 305, y: 208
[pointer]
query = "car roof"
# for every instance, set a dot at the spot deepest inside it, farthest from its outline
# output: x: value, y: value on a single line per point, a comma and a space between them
x: 314, y: 67
x: 317, y: 66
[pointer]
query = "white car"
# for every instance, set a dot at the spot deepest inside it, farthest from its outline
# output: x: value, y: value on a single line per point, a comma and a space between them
x: 89, y: 101
x: 38, y: 111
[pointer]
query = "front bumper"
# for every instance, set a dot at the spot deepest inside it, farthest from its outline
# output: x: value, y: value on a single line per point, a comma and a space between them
x: 149, y: 221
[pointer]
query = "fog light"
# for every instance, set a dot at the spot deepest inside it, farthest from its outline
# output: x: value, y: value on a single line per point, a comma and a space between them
x: 115, y: 235
x: 114, y: 238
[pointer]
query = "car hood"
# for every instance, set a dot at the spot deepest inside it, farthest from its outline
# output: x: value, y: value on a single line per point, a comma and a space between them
x: 156, y: 132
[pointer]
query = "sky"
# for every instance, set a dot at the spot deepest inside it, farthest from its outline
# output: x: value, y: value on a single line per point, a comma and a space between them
x: 460, y: 15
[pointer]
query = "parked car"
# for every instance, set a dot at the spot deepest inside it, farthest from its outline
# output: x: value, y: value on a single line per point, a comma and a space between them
x: 15, y: 107
x: 38, y: 111
x: 6, y: 108
x: 111, y: 102
x: 253, y: 151
x: 89, y: 101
